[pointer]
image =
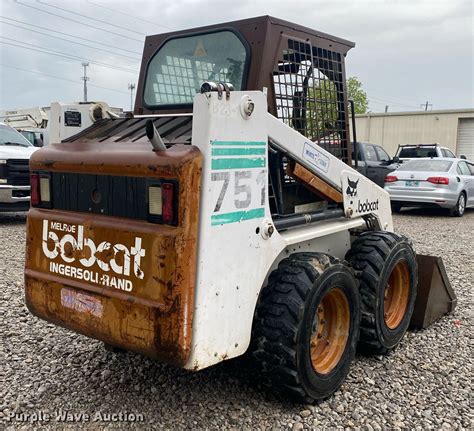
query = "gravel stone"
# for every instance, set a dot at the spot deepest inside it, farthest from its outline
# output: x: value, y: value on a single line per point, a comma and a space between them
x: 426, y: 383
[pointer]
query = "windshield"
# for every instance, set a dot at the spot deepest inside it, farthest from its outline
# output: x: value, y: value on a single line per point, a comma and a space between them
x: 178, y: 69
x: 426, y: 165
x: 418, y: 152
x: 9, y: 136
x: 29, y: 135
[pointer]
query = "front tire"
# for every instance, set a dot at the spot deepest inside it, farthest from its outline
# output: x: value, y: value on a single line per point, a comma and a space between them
x: 386, y: 267
x: 396, y: 208
x: 307, y: 326
x: 460, y: 208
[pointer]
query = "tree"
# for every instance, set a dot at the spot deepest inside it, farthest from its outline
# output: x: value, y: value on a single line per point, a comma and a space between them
x: 321, y: 107
x: 357, y: 94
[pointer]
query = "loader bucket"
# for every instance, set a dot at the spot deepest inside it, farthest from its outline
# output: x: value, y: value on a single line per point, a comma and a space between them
x: 435, y: 296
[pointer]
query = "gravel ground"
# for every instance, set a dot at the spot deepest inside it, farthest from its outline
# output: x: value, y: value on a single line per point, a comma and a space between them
x: 424, y: 384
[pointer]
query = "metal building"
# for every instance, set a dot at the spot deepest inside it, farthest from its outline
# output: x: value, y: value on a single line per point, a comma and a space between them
x: 452, y: 128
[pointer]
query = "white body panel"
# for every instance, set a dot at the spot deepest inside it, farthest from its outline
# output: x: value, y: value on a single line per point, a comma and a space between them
x: 68, y: 119
x: 235, y: 254
x: 25, y: 118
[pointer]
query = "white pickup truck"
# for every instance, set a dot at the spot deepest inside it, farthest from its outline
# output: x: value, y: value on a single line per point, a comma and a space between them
x: 15, y: 152
x: 416, y: 151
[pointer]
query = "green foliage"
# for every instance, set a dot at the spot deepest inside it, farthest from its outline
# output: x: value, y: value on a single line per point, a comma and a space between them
x: 358, y: 95
x: 322, y: 107
x: 321, y: 113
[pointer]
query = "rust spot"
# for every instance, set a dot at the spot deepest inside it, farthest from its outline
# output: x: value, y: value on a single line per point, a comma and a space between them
x: 155, y: 318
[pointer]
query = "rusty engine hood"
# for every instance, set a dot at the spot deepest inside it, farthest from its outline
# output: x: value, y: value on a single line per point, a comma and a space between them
x: 155, y: 317
x: 120, y: 147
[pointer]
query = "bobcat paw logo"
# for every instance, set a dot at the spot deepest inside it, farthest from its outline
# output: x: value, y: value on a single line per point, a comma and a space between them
x: 352, y: 188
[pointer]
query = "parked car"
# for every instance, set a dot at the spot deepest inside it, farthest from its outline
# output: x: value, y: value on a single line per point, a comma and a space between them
x: 444, y: 183
x: 416, y: 151
x: 374, y: 162
x: 15, y: 152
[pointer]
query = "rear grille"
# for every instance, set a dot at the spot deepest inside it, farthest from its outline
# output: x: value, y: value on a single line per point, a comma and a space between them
x: 118, y: 196
x: 18, y: 172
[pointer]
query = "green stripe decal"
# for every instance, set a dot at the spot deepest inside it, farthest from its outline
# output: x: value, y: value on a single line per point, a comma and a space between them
x: 258, y: 162
x: 238, y: 143
x: 238, y: 151
x: 237, y: 216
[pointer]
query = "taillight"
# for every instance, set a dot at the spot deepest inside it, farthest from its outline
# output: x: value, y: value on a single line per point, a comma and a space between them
x: 391, y: 178
x: 167, y: 190
x: 155, y: 201
x: 35, y: 190
x: 162, y: 202
x: 438, y: 180
x: 45, y: 190
x: 40, y: 184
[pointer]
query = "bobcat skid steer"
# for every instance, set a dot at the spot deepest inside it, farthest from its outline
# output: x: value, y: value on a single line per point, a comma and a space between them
x: 225, y: 216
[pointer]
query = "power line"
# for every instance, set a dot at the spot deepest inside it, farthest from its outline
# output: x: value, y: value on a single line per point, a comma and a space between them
x: 62, y: 79
x: 128, y: 15
x: 71, y: 35
x: 78, y: 22
x: 71, y: 41
x: 60, y: 54
x: 402, y: 100
x: 93, y: 19
x: 403, y: 105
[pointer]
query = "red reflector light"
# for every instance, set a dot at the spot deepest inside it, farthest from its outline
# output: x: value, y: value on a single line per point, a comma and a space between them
x: 167, y: 190
x: 35, y: 193
x: 438, y: 180
x: 391, y: 179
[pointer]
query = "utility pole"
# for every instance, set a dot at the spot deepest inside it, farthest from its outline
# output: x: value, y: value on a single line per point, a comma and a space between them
x: 85, y: 78
x: 425, y: 105
x: 131, y: 87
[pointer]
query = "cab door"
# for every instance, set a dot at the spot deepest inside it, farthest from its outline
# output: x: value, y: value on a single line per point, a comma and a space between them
x: 378, y: 164
x: 466, y: 173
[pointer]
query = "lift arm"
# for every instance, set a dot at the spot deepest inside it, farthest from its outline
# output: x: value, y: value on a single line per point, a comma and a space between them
x: 361, y: 196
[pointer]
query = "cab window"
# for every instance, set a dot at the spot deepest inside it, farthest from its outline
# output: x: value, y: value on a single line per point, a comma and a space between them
x: 382, y: 154
x: 463, y: 169
x: 370, y: 153
x: 178, y: 69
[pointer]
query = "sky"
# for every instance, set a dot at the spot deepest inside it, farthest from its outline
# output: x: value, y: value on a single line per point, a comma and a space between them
x: 407, y: 52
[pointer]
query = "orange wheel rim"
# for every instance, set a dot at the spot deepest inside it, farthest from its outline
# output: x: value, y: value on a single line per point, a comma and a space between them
x: 396, y: 295
x: 330, y: 331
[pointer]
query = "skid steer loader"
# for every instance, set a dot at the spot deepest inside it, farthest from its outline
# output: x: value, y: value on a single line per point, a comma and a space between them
x: 225, y: 215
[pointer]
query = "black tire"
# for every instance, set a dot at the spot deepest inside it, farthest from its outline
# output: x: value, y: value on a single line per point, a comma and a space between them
x: 396, y: 208
x: 460, y: 208
x: 375, y: 256
x: 285, y: 326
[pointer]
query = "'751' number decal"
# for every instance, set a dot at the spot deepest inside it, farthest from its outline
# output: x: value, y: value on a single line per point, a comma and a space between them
x: 242, y: 187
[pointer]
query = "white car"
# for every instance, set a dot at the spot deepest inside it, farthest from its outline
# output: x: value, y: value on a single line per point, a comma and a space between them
x: 443, y: 183
x: 15, y: 152
x: 416, y: 151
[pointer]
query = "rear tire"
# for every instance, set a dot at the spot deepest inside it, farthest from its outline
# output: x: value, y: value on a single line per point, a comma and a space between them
x: 386, y: 267
x: 460, y: 208
x: 307, y: 326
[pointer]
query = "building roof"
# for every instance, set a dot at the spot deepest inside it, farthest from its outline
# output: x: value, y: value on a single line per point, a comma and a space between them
x: 434, y: 112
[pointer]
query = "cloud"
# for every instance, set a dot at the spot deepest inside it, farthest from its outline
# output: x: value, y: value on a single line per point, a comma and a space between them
x: 406, y: 51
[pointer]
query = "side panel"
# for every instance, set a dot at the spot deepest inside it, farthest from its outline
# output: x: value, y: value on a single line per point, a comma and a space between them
x: 235, y: 252
x: 233, y: 256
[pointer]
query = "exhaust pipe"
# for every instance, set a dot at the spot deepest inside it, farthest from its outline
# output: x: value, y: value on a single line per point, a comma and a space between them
x: 154, y: 137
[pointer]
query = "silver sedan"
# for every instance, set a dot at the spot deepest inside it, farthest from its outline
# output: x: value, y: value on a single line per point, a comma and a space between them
x: 444, y: 183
